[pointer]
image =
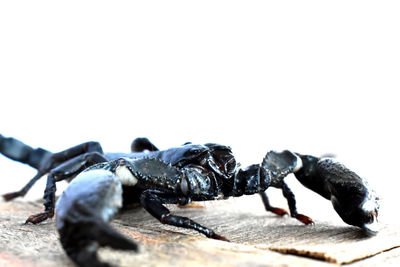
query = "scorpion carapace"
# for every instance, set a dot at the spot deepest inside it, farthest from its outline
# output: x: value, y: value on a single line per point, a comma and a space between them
x: 174, y: 176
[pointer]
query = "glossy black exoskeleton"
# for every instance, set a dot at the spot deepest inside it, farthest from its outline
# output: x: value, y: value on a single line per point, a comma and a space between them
x: 106, y: 181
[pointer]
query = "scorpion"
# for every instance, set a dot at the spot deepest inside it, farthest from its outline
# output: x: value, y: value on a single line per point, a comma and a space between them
x: 101, y: 183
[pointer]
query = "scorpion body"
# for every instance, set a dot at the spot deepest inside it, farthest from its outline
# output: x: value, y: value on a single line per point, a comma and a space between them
x: 103, y: 182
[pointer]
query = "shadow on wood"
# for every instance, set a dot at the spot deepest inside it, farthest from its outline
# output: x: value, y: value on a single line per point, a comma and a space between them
x: 254, y: 235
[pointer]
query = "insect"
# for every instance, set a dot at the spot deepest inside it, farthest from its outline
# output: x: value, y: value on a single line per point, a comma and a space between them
x: 103, y: 182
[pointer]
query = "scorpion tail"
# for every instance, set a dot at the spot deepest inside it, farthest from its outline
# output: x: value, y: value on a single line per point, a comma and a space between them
x: 84, y: 211
x: 16, y: 150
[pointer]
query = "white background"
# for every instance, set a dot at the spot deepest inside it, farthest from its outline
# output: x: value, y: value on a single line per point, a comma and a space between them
x: 310, y: 76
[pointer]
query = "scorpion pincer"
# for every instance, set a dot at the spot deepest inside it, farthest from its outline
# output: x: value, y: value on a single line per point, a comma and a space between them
x: 103, y: 182
x: 351, y: 196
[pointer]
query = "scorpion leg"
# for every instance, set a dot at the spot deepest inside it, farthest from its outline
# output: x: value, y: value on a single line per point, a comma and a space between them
x: 279, y: 165
x: 84, y: 211
x: 67, y: 170
x: 191, y: 205
x: 153, y: 201
x: 288, y: 194
x: 41, y: 159
x: 16, y: 150
x: 141, y: 144
x: 70, y: 153
x: 25, y: 189
x: 268, y: 207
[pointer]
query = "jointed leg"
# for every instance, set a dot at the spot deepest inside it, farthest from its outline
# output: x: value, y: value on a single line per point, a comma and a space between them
x: 191, y: 205
x: 288, y: 194
x: 153, y: 201
x: 16, y: 150
x: 25, y: 189
x: 70, y: 153
x: 43, y: 160
x: 268, y: 207
x: 67, y: 170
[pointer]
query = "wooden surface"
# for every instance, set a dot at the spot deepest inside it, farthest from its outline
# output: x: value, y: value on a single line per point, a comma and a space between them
x: 255, y: 237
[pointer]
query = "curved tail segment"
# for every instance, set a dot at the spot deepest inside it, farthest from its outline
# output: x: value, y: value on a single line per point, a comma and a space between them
x: 84, y: 211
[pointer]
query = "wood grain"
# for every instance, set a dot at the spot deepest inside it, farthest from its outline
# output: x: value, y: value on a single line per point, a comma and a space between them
x: 254, y: 234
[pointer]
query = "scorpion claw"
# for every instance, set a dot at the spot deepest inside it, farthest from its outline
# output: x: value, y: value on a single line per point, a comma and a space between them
x: 81, y: 241
x: 84, y: 211
x: 352, y: 198
x: 40, y: 217
x: 174, y: 176
x: 281, y: 163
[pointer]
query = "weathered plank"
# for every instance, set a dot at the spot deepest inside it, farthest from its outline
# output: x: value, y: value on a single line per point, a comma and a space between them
x: 252, y: 226
x: 253, y: 234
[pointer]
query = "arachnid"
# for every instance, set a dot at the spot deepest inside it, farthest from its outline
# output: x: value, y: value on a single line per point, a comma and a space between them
x: 103, y: 182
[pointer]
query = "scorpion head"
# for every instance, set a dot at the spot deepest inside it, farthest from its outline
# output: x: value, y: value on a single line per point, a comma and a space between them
x: 350, y: 195
x: 204, y: 166
x: 212, y: 157
x: 223, y: 159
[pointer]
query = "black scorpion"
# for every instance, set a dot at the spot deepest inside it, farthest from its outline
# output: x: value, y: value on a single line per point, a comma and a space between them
x: 106, y: 181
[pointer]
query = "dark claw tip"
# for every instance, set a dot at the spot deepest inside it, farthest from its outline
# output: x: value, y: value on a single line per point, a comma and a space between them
x: 191, y: 205
x: 40, y: 217
x: 279, y: 211
x: 11, y: 196
x: 305, y: 219
x: 219, y: 237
